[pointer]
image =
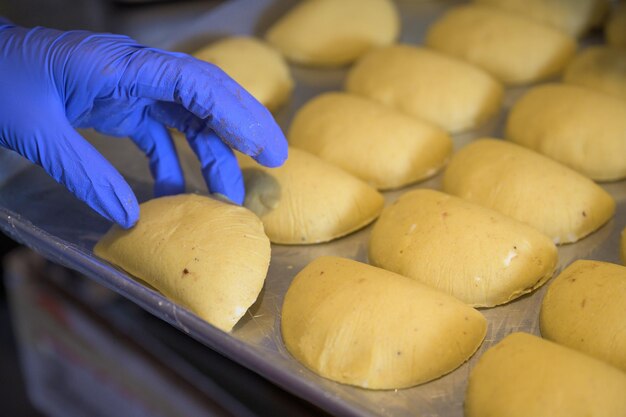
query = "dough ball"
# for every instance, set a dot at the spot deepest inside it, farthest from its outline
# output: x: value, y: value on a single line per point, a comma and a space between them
x: 329, y: 33
x: 574, y: 17
x: 585, y: 309
x: 579, y: 127
x: 364, y: 326
x: 308, y: 200
x: 524, y: 376
x: 601, y: 68
x: 473, y: 253
x: 383, y: 147
x: 255, y: 65
x: 615, y: 28
x: 514, y: 49
x: 208, y: 256
x: 432, y: 86
x: 530, y: 188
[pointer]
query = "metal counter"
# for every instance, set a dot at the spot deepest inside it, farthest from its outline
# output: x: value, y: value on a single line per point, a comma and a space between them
x: 40, y: 213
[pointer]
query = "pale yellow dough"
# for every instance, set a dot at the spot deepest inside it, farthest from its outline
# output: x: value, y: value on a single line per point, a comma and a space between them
x: 601, y: 68
x: 308, y: 200
x: 329, y: 33
x: 615, y: 27
x: 434, y: 87
x: 383, y: 147
x: 528, y: 187
x: 206, y: 255
x: 364, y: 326
x: 473, y: 253
x: 525, y: 376
x: 585, y: 308
x: 574, y: 17
x: 255, y: 65
x: 514, y: 49
x: 577, y: 126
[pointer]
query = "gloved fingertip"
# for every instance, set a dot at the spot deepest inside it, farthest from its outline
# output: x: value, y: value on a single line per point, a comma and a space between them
x: 76, y: 164
x: 275, y: 151
x: 155, y: 141
x: 116, y: 202
x: 126, y: 214
x: 219, y: 167
x: 237, y: 196
x: 129, y: 220
x: 233, y: 192
x: 105, y: 191
x: 272, y: 157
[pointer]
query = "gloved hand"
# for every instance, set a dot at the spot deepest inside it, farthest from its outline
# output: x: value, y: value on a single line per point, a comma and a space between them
x: 52, y: 82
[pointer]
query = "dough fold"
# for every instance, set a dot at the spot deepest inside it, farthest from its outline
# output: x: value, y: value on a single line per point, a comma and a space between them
x: 364, y: 326
x: 206, y: 255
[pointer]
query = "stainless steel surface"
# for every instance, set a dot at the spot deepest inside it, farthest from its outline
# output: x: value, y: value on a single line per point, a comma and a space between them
x: 35, y: 210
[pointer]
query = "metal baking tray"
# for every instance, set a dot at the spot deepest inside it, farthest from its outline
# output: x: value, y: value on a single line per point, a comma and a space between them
x: 40, y: 213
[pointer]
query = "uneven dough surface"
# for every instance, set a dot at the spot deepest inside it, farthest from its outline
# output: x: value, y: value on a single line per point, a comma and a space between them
x: 585, y: 309
x: 328, y: 33
x: 364, y: 326
x: 601, y: 68
x: 432, y: 86
x: 255, y: 65
x: 529, y: 187
x: 615, y: 27
x: 473, y: 253
x: 382, y: 146
x: 206, y: 255
x: 574, y: 17
x: 308, y: 200
x: 525, y: 375
x: 514, y: 49
x: 577, y: 126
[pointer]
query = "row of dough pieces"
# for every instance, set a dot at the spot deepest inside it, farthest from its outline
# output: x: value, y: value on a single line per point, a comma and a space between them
x: 207, y: 245
x: 319, y: 203
x: 389, y: 149
x: 263, y: 204
x: 581, y: 128
x: 489, y: 247
x: 365, y: 326
x: 346, y: 30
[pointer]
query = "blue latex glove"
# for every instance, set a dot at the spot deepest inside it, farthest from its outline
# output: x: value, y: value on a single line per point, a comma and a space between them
x: 52, y: 82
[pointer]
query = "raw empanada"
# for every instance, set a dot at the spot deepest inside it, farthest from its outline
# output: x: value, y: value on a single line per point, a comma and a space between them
x: 601, y: 68
x: 585, y: 309
x: 206, y: 255
x: 473, y: 253
x: 255, y: 65
x: 382, y: 146
x: 308, y: 200
x: 577, y: 126
x: 574, y: 17
x: 525, y: 376
x: 514, y: 49
x: 432, y: 86
x: 529, y: 187
x: 330, y: 33
x: 364, y: 326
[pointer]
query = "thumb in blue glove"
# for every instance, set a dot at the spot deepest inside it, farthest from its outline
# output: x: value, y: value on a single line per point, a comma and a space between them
x: 53, y: 82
